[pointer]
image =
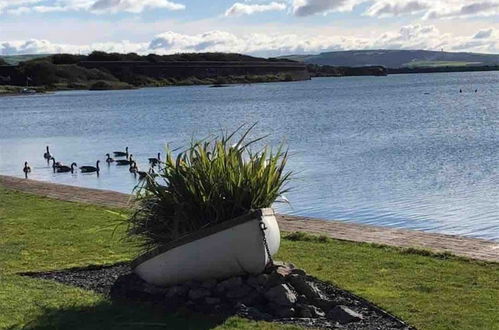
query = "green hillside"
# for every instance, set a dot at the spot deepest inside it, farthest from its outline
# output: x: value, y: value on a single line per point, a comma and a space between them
x: 398, y: 58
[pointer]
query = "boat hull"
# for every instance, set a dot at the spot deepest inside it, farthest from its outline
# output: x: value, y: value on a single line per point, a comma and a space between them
x: 233, y: 248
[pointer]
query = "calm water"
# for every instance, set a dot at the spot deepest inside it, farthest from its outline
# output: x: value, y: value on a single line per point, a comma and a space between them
x: 405, y: 151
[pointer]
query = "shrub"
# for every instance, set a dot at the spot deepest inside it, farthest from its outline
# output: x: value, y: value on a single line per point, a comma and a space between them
x: 209, y: 183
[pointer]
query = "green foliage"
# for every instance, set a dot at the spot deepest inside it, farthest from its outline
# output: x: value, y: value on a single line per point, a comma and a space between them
x: 211, y: 182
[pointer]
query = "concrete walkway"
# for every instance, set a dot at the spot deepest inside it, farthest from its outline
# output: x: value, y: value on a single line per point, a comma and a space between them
x: 462, y: 246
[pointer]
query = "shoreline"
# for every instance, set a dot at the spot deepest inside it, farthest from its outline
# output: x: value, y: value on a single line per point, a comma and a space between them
x: 472, y: 248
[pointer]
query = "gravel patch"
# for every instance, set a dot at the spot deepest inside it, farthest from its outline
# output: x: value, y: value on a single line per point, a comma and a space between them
x: 283, y: 294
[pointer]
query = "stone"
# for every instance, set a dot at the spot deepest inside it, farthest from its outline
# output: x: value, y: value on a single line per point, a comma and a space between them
x: 262, y: 278
x: 274, y: 279
x: 304, y: 311
x: 198, y: 293
x: 212, y: 300
x: 192, y: 284
x: 177, y: 291
x: 324, y: 303
x: 284, y: 264
x: 253, y: 282
x: 253, y: 298
x: 256, y: 314
x: 281, y: 295
x: 307, y: 288
x: 316, y: 311
x: 342, y: 314
x: 283, y: 311
x: 238, y: 292
x: 229, y: 284
x: 283, y: 271
x: 154, y: 290
x: 209, y: 284
x: 298, y: 271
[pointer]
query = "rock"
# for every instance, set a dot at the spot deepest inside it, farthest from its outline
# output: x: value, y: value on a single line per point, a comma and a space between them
x: 281, y: 295
x: 256, y: 314
x: 284, y: 264
x: 209, y: 284
x: 177, y: 291
x: 253, y: 282
x: 316, y: 311
x: 154, y: 290
x: 229, y: 284
x: 283, y: 311
x: 262, y: 278
x: 284, y: 271
x: 343, y: 315
x: 304, y: 311
x: 324, y: 303
x: 195, y: 294
x: 212, y: 300
x: 298, y: 271
x: 238, y: 292
x: 274, y: 279
x: 253, y: 298
x: 307, y: 288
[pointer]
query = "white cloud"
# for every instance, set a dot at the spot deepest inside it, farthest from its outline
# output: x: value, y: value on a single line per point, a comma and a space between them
x: 408, y: 37
x: 312, y: 7
x: 239, y: 9
x: 17, y: 7
x: 429, y: 9
x: 133, y: 6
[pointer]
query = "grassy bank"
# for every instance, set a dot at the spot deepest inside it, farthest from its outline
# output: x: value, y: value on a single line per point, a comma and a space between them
x: 36, y: 234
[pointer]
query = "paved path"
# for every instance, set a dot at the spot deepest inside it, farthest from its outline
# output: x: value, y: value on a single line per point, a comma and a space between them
x: 461, y: 246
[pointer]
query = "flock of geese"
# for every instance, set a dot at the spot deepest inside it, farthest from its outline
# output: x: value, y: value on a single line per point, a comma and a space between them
x: 127, y: 160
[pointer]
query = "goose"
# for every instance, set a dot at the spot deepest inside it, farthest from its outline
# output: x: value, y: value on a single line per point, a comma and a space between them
x: 47, y: 154
x: 121, y: 153
x: 65, y: 168
x: 155, y: 161
x: 128, y: 161
x: 109, y: 159
x: 90, y: 169
x: 55, y: 165
x: 135, y: 170
x: 26, y: 169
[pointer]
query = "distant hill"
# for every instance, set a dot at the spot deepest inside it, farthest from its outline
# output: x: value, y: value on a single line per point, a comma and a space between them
x: 16, y: 59
x: 398, y: 58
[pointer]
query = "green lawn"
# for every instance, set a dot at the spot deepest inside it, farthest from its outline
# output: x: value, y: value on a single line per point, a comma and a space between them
x: 36, y: 234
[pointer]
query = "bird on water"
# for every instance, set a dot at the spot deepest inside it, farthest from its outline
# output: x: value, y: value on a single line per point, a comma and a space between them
x: 65, y: 168
x: 109, y: 159
x: 26, y: 169
x: 121, y: 153
x: 128, y: 161
x: 90, y: 169
x: 47, y: 154
x: 155, y: 161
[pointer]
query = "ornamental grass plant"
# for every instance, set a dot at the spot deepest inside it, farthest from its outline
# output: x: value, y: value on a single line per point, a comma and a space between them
x: 211, y: 182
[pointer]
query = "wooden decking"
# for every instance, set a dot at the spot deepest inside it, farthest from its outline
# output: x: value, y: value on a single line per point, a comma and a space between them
x: 462, y: 246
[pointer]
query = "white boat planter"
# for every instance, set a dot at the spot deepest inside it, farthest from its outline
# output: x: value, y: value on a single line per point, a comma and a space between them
x: 234, y: 247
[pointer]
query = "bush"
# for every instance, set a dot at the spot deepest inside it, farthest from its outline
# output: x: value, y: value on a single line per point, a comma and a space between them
x: 209, y: 183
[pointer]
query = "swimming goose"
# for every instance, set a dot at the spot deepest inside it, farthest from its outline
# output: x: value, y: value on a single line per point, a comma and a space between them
x: 125, y: 161
x: 90, y: 169
x: 109, y: 159
x: 135, y: 170
x: 65, y: 168
x: 55, y: 165
x: 26, y: 169
x: 121, y: 153
x: 155, y: 161
x: 47, y: 154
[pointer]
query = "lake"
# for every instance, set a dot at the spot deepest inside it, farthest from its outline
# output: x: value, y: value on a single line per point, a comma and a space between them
x: 405, y: 151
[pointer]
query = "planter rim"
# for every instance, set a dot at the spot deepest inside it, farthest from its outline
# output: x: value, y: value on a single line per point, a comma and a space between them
x: 251, y: 215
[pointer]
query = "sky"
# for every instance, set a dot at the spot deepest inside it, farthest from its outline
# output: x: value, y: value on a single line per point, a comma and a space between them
x: 255, y: 27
